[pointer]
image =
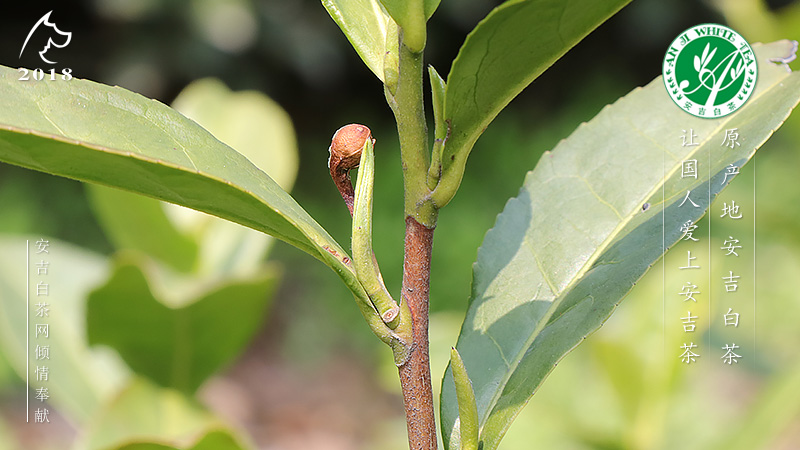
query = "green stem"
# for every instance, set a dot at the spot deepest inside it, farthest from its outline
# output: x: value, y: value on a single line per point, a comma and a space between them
x: 407, y: 104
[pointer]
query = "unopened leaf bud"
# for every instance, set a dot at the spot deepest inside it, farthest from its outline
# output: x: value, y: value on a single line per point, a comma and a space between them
x: 345, y: 155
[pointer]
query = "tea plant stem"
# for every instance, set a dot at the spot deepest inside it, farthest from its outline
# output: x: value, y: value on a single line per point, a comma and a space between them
x: 408, y: 107
x: 415, y: 374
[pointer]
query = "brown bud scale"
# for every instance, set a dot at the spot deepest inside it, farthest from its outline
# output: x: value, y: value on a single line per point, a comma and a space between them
x: 345, y: 155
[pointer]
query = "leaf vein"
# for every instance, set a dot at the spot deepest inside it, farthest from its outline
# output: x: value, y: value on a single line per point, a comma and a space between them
x: 499, y: 348
x: 166, y: 133
x: 546, y: 278
x: 46, y: 116
x: 599, y: 198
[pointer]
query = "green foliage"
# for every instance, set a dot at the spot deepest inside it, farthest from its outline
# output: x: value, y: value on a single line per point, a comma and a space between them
x: 637, y: 395
x: 210, y: 287
x: 467, y: 438
x: 201, y: 318
x: 146, y: 417
x: 74, y: 271
x: 247, y: 121
x: 216, y: 249
x: 187, y: 291
x: 512, y: 46
x: 140, y: 223
x: 371, y: 32
x: 176, y: 346
x: 214, y: 440
x: 575, y: 241
x: 441, y: 128
x: 364, y: 261
x: 185, y: 297
x: 145, y: 147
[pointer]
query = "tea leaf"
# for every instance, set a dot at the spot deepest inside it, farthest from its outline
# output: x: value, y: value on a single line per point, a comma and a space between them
x: 566, y: 251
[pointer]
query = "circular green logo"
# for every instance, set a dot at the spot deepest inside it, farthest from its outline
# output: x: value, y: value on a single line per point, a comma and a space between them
x: 710, y: 71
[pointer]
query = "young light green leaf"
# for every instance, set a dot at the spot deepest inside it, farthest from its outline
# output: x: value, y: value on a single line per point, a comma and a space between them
x: 565, y: 252
x: 512, y: 46
x: 440, y: 130
x: 184, y: 344
x: 107, y: 135
x: 438, y: 87
x: 364, y: 261
x: 77, y: 391
x: 467, y: 409
x: 366, y: 24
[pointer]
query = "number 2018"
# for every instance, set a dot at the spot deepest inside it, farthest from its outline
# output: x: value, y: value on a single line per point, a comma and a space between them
x: 39, y: 74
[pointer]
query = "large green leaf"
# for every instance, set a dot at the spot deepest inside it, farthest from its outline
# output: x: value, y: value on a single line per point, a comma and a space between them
x: 177, y: 346
x: 107, y: 135
x: 512, y: 46
x: 146, y: 417
x: 371, y: 32
x: 589, y: 221
x: 82, y: 378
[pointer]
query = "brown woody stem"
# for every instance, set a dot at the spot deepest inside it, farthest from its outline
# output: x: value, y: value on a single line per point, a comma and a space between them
x: 415, y: 374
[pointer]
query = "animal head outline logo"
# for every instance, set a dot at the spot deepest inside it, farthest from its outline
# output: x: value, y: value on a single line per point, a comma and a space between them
x: 45, y: 21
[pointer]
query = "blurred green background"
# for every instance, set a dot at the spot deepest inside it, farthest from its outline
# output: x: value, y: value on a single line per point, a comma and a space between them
x: 314, y: 377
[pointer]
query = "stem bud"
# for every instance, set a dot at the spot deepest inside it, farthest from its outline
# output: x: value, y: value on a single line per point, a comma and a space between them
x: 345, y: 154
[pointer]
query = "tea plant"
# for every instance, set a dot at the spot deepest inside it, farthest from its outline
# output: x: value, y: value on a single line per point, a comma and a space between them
x: 589, y: 220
